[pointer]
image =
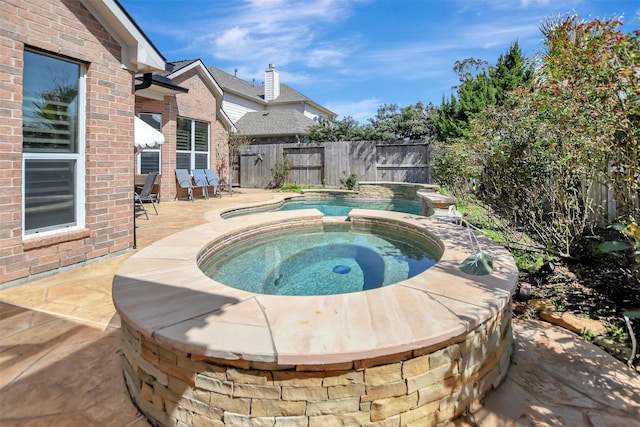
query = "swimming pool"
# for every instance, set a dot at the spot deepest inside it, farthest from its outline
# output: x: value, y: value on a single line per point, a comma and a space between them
x: 316, y: 260
x: 335, y: 206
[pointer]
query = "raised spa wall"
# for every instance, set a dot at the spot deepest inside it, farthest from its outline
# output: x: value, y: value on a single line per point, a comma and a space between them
x: 422, y: 387
x: 427, y: 195
x: 417, y: 353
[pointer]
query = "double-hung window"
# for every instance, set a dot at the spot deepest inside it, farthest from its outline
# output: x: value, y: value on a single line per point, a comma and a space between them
x: 150, y: 159
x: 192, y: 144
x: 53, y: 124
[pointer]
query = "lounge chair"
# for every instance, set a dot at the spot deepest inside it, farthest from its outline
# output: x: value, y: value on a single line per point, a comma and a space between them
x: 200, y: 180
x: 183, y: 177
x: 146, y: 194
x: 212, y: 181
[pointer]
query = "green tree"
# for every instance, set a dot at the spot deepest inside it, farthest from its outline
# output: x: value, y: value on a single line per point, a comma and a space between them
x: 413, y: 122
x: 545, y: 147
x: 448, y: 123
x: 592, y: 89
x: 511, y: 71
x: 481, y: 86
x: 346, y: 129
x: 474, y: 93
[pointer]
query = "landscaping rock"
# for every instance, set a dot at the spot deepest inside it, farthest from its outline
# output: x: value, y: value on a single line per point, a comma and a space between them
x: 576, y: 324
x: 541, y: 305
x: 524, y: 292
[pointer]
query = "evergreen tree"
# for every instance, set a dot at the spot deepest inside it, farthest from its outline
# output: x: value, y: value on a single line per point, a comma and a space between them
x: 510, y: 72
x: 481, y: 86
x: 447, y: 123
x: 475, y: 95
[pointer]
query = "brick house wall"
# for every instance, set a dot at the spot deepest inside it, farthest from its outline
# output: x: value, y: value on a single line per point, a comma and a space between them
x: 220, y: 147
x: 198, y: 104
x: 66, y: 28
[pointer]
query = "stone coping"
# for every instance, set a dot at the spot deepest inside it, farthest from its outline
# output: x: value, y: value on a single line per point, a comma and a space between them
x: 330, y: 192
x: 161, y: 292
x: 436, y: 200
x: 401, y: 184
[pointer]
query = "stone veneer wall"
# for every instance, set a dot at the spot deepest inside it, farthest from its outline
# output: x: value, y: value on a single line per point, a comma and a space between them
x: 417, y: 388
x: 390, y: 190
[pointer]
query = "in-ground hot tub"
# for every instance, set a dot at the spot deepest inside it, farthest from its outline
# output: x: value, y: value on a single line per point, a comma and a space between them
x: 416, y: 352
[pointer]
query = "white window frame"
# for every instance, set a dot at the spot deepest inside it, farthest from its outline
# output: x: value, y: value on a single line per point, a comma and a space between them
x: 78, y: 157
x: 192, y: 151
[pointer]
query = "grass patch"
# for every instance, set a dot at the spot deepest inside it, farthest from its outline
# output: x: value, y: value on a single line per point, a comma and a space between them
x: 290, y: 187
x: 294, y: 187
x: 529, y: 262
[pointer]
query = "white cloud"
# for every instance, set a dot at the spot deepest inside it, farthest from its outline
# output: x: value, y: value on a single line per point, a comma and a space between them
x: 325, y: 57
x: 233, y: 40
x: 539, y: 3
x: 361, y: 110
x: 275, y: 31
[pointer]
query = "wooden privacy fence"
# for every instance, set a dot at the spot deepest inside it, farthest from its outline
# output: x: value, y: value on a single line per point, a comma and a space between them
x: 329, y: 162
x: 606, y: 207
x: 405, y: 161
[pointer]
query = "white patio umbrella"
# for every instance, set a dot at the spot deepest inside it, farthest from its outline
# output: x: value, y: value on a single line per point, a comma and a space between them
x: 145, y: 135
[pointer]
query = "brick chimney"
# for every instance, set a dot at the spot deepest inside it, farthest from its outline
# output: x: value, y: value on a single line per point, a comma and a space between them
x: 271, y: 83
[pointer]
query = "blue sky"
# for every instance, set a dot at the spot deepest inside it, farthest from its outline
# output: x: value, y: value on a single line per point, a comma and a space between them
x: 352, y: 56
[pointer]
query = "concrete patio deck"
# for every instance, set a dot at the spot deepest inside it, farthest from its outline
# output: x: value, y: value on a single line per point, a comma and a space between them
x: 60, y: 338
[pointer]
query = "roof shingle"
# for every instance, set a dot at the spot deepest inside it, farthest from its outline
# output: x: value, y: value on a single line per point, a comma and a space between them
x: 274, y: 123
x: 235, y: 84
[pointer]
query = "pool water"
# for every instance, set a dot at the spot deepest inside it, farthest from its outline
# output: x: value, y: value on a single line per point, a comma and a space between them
x: 320, y: 261
x: 339, y: 206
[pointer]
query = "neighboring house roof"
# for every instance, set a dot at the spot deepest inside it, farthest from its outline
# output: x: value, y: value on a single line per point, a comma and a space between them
x: 234, y: 84
x: 237, y: 86
x: 138, y: 53
x: 162, y: 84
x: 273, y: 123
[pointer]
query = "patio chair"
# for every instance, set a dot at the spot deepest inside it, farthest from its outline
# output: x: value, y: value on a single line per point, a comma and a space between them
x: 146, y: 194
x: 212, y: 181
x: 183, y: 177
x: 200, y: 180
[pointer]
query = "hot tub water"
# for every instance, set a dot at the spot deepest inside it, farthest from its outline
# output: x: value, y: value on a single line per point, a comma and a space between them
x: 320, y: 261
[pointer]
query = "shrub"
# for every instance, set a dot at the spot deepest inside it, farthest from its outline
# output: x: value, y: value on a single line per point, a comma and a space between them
x: 280, y: 170
x: 455, y: 167
x: 350, y: 182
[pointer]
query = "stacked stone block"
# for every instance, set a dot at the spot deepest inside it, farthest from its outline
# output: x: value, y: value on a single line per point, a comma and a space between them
x: 427, y: 386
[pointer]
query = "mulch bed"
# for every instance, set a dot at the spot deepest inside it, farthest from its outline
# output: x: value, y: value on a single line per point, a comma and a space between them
x: 600, y: 288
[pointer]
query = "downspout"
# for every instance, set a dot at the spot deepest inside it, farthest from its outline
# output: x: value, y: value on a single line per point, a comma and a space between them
x: 146, y: 81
